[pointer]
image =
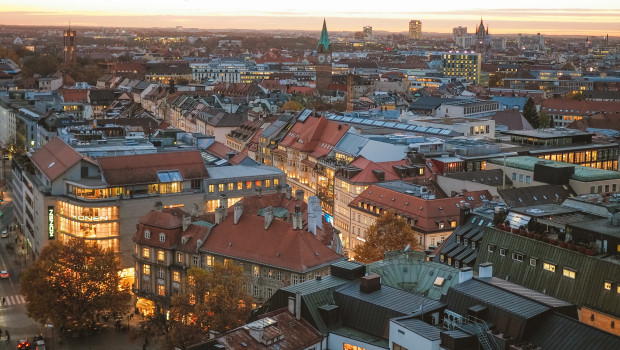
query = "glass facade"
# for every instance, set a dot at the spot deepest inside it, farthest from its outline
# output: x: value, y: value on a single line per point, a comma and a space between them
x: 93, y: 223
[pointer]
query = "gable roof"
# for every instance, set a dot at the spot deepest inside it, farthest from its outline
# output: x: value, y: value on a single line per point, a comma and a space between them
x: 512, y: 119
x: 315, y: 135
x: 55, y: 158
x: 143, y: 168
x: 279, y: 245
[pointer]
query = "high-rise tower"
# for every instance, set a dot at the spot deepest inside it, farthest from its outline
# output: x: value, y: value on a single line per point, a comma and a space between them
x: 324, y: 66
x: 415, y: 29
x: 69, y: 46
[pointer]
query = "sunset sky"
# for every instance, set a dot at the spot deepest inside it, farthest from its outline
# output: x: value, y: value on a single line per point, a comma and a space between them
x: 525, y: 16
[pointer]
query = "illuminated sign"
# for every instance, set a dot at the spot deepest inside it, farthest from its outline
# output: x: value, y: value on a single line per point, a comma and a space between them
x: 90, y: 218
x: 51, y: 233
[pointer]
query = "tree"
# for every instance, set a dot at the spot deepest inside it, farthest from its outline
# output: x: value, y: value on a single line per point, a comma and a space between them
x: 209, y: 300
x: 544, y: 120
x: 291, y: 106
x: 530, y: 113
x: 389, y: 232
x: 69, y: 284
x: 44, y: 65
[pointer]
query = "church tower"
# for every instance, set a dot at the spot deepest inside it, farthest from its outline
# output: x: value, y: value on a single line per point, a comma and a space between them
x: 69, y: 46
x: 324, y: 65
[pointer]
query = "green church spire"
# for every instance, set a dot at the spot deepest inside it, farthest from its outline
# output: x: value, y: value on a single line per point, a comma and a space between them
x: 324, y: 39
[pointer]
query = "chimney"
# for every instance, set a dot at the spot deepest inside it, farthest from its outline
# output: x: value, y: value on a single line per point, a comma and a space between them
x: 314, y: 207
x: 370, y: 283
x: 268, y: 213
x: 159, y: 206
x: 312, y: 223
x: 291, y: 305
x: 187, y: 220
x: 289, y: 191
x: 195, y: 210
x: 238, y: 210
x: 299, y: 195
x: 465, y: 274
x: 298, y: 305
x: 297, y: 219
x: 224, y: 204
x: 220, y: 214
x: 485, y: 270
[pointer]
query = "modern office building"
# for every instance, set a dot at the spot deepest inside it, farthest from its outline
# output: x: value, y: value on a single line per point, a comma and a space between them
x: 367, y: 33
x: 415, y: 29
x: 465, y: 65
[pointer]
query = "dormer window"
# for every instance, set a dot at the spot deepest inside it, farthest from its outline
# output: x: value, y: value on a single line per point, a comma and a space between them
x: 147, y: 234
x: 162, y: 237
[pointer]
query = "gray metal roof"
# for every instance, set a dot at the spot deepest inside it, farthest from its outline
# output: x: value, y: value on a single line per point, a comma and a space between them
x: 528, y: 293
x: 316, y: 285
x: 499, y: 298
x: 423, y: 329
x: 561, y: 332
x: 371, y: 312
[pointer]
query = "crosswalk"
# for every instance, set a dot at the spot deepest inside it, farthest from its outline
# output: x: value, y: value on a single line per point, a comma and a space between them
x: 13, y: 300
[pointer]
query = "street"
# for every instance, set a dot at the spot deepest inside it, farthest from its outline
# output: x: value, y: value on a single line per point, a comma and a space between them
x: 13, y: 313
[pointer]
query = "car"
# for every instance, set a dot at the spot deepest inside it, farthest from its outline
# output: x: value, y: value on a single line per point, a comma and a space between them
x: 4, y: 234
x: 4, y: 274
x: 24, y: 344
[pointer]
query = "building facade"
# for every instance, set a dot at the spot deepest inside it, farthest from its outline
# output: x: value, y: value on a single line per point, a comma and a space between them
x: 415, y: 29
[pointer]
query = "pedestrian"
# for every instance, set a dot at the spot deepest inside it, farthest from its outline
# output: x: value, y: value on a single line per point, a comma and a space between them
x: 8, y: 336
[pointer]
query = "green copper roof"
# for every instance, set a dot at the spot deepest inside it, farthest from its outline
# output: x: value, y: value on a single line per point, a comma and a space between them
x: 324, y: 39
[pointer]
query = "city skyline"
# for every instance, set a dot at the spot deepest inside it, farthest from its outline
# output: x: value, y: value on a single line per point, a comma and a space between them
x: 527, y: 17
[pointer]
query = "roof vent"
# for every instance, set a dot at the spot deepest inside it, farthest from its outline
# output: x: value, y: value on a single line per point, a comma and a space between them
x: 230, y: 244
x: 51, y: 165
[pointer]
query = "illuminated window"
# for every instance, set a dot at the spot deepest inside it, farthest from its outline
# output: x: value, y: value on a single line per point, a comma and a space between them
x: 549, y: 267
x: 146, y: 253
x: 607, y: 285
x: 276, y: 182
x: 211, y: 188
x: 256, y: 271
x: 179, y: 258
x: 453, y: 223
x: 258, y: 183
x: 267, y: 183
x: 220, y: 187
x: 146, y: 269
x: 160, y: 255
x: 568, y: 273
x: 176, y: 276
x: 231, y: 186
x: 210, y: 260
x: 270, y: 273
x: 248, y: 185
x: 239, y: 186
x: 161, y: 290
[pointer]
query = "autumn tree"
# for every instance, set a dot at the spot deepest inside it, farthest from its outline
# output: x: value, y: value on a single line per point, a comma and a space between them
x: 388, y: 232
x: 209, y: 300
x: 69, y: 284
x: 291, y: 106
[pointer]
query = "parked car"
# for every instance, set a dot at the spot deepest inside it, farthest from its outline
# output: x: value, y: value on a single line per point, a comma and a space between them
x: 4, y: 274
x: 4, y: 234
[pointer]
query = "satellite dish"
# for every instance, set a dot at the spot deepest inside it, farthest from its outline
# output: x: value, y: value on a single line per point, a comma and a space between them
x: 407, y: 247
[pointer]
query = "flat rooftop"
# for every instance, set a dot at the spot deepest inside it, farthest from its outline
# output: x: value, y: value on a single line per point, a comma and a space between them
x: 550, y: 133
x: 582, y: 173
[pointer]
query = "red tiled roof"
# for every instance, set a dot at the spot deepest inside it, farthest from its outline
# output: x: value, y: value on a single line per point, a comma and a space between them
x: 218, y: 149
x: 368, y: 176
x: 577, y: 107
x: 315, y: 135
x: 143, y: 168
x: 428, y: 212
x: 75, y: 95
x: 280, y: 245
x: 300, y: 90
x: 239, y: 157
x: 55, y: 158
x: 170, y: 223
